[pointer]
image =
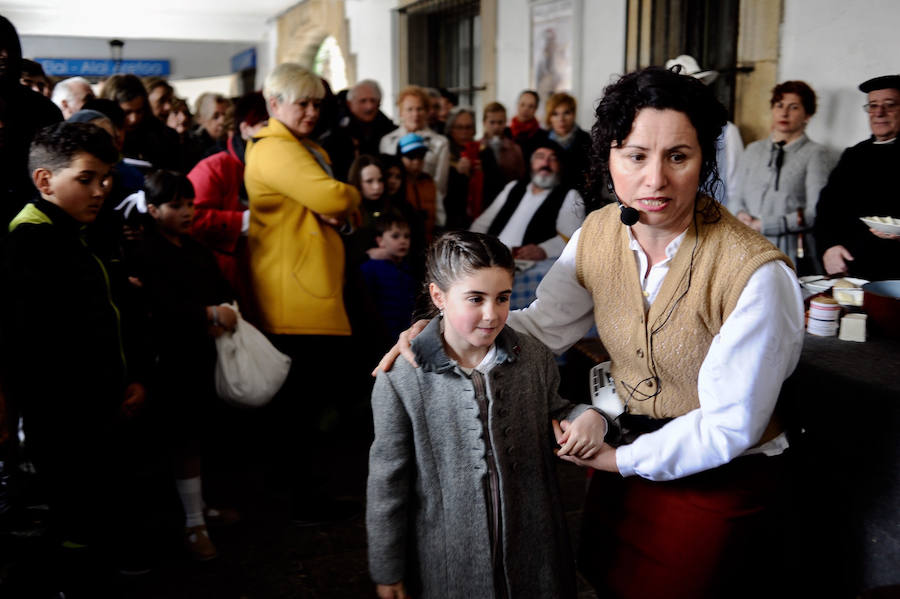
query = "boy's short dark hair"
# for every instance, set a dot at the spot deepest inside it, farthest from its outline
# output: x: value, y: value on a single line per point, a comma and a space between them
x: 35, y: 69
x: 110, y: 108
x: 251, y: 109
x: 493, y: 107
x: 124, y: 88
x: 448, y: 95
x: 54, y: 147
x: 161, y: 187
x: 388, y: 220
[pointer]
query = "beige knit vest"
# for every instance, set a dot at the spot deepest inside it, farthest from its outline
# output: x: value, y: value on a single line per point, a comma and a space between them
x: 668, y: 342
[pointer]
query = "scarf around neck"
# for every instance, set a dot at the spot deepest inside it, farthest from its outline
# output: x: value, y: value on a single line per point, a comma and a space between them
x: 527, y: 128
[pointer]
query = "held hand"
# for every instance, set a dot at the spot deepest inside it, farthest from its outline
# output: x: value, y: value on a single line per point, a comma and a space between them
x: 529, y: 252
x: 135, y: 395
x: 604, y: 459
x: 402, y: 347
x: 884, y: 235
x: 582, y: 437
x: 391, y: 591
x: 834, y: 259
x: 744, y: 218
x: 755, y: 224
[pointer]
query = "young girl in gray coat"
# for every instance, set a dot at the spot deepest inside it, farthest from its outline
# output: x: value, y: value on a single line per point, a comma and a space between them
x: 462, y: 493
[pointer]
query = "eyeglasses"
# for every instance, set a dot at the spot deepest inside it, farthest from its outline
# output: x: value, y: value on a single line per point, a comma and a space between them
x: 887, y: 106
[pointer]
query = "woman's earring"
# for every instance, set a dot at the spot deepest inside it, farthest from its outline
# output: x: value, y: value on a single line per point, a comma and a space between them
x: 441, y: 312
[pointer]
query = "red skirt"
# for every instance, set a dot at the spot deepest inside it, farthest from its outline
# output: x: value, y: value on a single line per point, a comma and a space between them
x: 714, y: 534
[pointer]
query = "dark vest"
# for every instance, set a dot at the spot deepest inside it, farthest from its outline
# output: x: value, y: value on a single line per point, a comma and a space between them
x: 543, y: 224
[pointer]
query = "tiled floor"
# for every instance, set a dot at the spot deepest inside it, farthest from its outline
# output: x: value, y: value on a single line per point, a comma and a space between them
x: 263, y: 557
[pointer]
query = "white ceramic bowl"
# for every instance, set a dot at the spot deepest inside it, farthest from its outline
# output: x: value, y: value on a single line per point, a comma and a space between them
x: 885, y: 224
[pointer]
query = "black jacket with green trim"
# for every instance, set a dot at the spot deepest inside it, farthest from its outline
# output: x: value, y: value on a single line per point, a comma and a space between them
x: 62, y: 349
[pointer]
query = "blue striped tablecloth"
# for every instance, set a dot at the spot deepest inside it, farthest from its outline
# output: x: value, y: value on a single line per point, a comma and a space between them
x: 526, y: 282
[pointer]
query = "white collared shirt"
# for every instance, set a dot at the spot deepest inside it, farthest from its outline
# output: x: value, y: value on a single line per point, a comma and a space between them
x: 568, y: 219
x: 756, y: 349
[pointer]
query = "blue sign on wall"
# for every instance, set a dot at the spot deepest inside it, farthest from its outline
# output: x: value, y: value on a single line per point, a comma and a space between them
x: 243, y: 60
x: 90, y: 67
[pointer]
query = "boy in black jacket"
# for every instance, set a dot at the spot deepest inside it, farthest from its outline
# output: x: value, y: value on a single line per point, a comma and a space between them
x: 62, y: 344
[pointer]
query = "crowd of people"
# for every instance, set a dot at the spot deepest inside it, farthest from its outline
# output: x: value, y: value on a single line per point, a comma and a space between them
x: 131, y: 226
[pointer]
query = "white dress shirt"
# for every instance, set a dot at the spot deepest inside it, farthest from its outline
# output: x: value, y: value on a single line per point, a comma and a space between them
x: 568, y: 220
x: 739, y: 381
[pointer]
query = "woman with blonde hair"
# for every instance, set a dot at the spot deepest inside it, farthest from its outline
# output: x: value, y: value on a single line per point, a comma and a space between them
x: 413, y: 104
x: 297, y: 273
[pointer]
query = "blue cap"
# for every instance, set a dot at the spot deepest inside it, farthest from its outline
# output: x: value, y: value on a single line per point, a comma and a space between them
x: 86, y: 116
x: 411, y: 142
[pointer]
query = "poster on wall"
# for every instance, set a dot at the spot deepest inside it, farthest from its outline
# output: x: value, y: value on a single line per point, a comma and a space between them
x: 554, y: 45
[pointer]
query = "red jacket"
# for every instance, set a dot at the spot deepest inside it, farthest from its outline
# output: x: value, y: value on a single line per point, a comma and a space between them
x: 217, y: 181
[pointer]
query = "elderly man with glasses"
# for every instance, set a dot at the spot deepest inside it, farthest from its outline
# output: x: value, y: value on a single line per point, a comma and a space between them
x: 864, y: 183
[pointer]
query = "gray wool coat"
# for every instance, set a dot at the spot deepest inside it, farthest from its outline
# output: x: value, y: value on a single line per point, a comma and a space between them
x: 803, y: 175
x: 427, y: 511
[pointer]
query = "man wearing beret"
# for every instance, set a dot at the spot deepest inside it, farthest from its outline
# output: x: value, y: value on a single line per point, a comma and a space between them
x: 864, y: 183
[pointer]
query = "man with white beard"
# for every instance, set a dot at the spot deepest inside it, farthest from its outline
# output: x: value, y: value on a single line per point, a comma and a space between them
x: 535, y: 216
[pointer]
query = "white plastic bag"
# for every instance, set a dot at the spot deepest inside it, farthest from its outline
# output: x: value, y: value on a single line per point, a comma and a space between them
x: 249, y: 370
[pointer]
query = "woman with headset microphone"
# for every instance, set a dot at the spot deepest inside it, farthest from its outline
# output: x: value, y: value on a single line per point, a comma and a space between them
x: 703, y: 321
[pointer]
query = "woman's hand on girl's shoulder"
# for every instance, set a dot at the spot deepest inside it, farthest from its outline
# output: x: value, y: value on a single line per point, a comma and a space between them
x: 391, y: 591
x: 401, y: 348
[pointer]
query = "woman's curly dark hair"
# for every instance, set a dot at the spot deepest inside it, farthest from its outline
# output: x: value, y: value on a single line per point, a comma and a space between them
x: 659, y: 88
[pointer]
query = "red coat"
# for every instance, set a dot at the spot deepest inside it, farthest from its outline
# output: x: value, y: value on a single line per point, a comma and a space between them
x: 219, y: 213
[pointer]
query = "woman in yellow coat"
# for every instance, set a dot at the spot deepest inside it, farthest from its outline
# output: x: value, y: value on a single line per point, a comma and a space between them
x: 296, y: 257
x: 297, y: 274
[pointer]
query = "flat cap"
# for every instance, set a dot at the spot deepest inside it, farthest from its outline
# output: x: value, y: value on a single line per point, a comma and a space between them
x: 883, y: 82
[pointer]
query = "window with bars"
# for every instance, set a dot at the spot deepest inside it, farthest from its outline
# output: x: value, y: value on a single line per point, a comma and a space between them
x: 705, y: 29
x: 444, y: 45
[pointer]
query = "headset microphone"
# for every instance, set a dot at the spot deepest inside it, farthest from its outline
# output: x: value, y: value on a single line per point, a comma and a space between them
x: 627, y: 214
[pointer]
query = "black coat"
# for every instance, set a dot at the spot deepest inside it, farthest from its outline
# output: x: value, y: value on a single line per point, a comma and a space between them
x: 23, y: 112
x: 63, y: 350
x: 862, y: 184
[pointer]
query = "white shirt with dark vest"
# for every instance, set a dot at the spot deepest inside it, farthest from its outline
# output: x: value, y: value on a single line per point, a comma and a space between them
x: 568, y: 220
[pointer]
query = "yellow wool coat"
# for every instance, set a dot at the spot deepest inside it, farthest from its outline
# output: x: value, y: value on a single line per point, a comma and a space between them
x: 296, y: 261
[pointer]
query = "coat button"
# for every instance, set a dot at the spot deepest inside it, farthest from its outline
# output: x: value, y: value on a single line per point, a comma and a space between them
x: 641, y: 319
x: 507, y: 431
x: 515, y: 466
x: 649, y: 383
x: 510, y: 450
x: 640, y: 353
x: 501, y: 412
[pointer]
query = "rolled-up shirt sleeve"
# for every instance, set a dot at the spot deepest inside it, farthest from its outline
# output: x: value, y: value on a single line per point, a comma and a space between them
x: 739, y: 381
